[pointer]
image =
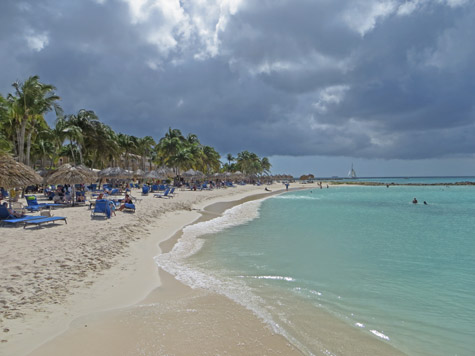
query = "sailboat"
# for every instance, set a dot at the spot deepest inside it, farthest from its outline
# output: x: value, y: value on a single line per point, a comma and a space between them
x: 352, y: 173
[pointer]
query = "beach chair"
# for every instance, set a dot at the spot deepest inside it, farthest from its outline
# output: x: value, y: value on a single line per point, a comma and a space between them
x: 33, y: 204
x: 172, y: 193
x: 4, y: 214
x: 129, y: 207
x: 164, y: 195
x: 80, y: 194
x: 145, y: 189
x: 43, y: 220
x: 13, y: 220
x: 102, y: 207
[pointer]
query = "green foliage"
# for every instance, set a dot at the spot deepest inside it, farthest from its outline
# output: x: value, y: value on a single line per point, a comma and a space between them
x: 84, y: 139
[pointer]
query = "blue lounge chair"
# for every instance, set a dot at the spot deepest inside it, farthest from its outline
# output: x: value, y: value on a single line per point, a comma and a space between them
x: 14, y: 220
x: 33, y: 204
x: 129, y: 206
x: 43, y: 220
x: 4, y: 214
x: 172, y: 192
x: 145, y: 189
x: 102, y: 207
x: 164, y: 195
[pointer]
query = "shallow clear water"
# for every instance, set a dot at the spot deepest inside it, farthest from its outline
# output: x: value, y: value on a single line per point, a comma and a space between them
x: 411, y: 180
x: 400, y: 272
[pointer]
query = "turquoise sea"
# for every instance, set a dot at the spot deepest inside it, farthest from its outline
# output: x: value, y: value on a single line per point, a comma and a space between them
x: 366, y: 257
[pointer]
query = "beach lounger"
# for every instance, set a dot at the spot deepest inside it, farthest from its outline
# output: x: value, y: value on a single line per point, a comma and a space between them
x: 102, y: 207
x: 172, y: 192
x: 14, y: 220
x: 43, y: 220
x: 33, y: 204
x: 129, y: 206
x: 164, y: 195
x: 145, y: 190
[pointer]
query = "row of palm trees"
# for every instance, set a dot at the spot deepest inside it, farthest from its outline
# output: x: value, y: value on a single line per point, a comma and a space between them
x: 84, y: 139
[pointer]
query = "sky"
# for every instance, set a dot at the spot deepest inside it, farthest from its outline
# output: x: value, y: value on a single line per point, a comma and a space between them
x: 315, y: 85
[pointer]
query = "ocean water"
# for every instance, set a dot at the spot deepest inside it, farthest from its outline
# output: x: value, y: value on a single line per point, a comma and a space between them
x: 410, y: 180
x: 366, y: 257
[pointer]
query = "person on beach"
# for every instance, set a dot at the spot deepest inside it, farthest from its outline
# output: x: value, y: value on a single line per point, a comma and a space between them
x: 126, y: 200
x: 13, y: 212
x: 414, y: 201
x: 286, y: 186
x: 268, y: 190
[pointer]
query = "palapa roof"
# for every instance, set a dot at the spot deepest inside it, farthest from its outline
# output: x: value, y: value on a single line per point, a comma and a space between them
x: 15, y: 175
x: 71, y: 175
x: 114, y: 172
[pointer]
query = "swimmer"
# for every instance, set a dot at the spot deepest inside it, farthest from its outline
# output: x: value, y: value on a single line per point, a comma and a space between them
x: 414, y: 201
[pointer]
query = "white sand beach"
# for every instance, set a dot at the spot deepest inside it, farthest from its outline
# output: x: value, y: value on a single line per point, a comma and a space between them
x: 57, y: 273
x: 91, y: 287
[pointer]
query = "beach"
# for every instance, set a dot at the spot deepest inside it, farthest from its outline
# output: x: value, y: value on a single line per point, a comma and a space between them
x: 53, y: 275
x: 92, y: 287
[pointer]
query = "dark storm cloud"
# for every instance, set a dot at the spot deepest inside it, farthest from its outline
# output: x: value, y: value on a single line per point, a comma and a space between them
x: 386, y: 79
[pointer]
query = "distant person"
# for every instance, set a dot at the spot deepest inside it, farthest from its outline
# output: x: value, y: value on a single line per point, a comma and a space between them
x: 126, y: 200
x: 268, y: 190
x: 414, y: 201
x: 286, y: 186
x: 425, y: 203
x: 13, y: 212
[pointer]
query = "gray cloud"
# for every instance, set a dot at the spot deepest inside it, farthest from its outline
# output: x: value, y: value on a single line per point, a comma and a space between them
x: 368, y: 79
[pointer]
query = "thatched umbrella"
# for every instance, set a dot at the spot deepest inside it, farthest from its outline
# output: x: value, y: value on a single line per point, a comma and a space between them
x: 153, y: 175
x: 139, y: 173
x: 189, y: 173
x: 165, y: 171
x: 71, y: 175
x: 15, y: 175
x: 114, y: 172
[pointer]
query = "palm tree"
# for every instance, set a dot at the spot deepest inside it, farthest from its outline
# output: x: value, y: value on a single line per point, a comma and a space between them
x: 145, y: 147
x: 32, y: 100
x: 265, y: 164
x: 230, y: 158
x: 82, y: 126
x: 169, y: 146
x: 211, y: 160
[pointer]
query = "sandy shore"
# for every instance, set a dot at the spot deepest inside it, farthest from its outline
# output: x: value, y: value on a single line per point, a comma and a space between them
x: 53, y: 275
x: 91, y: 287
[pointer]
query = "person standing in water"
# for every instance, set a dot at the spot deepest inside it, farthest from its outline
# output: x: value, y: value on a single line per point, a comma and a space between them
x: 414, y: 201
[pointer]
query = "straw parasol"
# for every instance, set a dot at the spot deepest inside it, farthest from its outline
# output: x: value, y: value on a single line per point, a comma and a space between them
x: 165, y: 171
x: 139, y: 173
x: 153, y: 175
x: 15, y: 175
x: 189, y: 173
x: 71, y: 175
x: 114, y: 172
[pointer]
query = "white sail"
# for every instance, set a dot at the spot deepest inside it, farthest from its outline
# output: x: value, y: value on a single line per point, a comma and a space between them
x: 352, y: 173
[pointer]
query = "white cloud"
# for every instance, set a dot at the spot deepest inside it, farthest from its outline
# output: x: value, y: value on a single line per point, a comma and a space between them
x: 36, y: 41
x: 362, y: 16
x: 332, y: 95
x: 178, y: 25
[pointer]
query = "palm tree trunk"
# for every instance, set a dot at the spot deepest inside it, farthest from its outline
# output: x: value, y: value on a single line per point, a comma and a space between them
x: 21, y: 141
x: 80, y: 154
x: 28, y: 148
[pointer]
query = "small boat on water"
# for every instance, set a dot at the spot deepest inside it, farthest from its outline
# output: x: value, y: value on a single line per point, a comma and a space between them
x: 352, y: 173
